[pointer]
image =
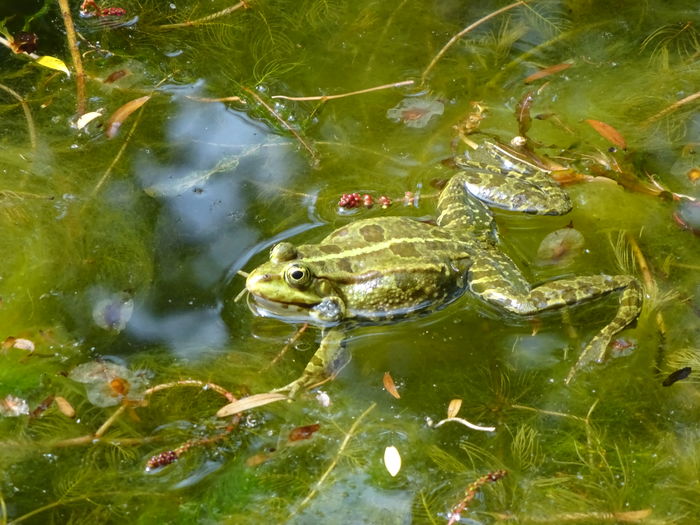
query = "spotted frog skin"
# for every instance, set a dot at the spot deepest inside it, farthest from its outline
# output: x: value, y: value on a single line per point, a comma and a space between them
x: 389, y: 268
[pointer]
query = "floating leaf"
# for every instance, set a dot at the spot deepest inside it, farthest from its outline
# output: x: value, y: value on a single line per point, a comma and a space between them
x: 53, y: 63
x: 121, y: 114
x: 250, y: 402
x: 415, y: 112
x: 547, y: 71
x: 390, y: 386
x: 392, y: 460
x: 453, y: 407
x: 560, y: 246
x: 64, y: 407
x: 302, y: 433
x: 11, y: 406
x: 694, y: 174
x: 608, y: 132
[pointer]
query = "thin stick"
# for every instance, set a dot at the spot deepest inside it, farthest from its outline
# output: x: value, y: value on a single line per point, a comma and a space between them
x: 286, y: 347
x: 119, y: 154
x: 463, y: 32
x: 323, y: 98
x: 31, y: 130
x: 670, y: 109
x: 192, y: 382
x: 283, y: 122
x: 343, y: 445
x: 207, y: 18
x: 111, y: 419
x: 75, y: 56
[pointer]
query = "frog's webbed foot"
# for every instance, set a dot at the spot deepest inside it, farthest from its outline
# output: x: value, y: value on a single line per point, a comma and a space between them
x: 629, y: 307
x: 497, y: 281
x: 323, y: 366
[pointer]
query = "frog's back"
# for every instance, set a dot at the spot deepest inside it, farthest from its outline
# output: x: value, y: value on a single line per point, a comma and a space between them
x: 386, y: 243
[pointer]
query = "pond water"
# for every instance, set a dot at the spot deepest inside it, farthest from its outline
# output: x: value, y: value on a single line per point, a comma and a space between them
x: 122, y: 241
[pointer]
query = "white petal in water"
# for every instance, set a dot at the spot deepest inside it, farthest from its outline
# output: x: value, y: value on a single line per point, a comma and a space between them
x: 392, y: 460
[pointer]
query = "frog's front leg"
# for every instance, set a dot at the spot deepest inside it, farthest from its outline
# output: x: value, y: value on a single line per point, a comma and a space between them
x: 324, y: 365
x: 498, y: 281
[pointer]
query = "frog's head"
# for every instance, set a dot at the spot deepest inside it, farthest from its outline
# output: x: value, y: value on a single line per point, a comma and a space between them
x: 286, y: 286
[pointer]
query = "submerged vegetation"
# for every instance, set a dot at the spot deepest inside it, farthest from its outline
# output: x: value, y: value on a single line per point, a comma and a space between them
x: 151, y: 150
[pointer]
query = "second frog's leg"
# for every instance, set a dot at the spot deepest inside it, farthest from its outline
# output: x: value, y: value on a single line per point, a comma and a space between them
x: 530, y: 192
x: 327, y: 361
x: 497, y: 280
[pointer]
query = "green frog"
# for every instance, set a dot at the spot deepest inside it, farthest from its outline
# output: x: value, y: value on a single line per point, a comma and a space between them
x: 390, y: 268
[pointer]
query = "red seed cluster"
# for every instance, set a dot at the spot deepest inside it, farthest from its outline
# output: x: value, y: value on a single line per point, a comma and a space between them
x: 349, y: 200
x: 161, y: 460
x: 355, y: 200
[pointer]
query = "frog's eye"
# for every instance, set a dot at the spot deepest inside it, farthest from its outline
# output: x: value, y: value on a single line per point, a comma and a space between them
x: 283, y: 251
x: 297, y: 275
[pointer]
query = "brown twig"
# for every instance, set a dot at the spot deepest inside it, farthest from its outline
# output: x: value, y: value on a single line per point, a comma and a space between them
x: 75, y: 56
x: 284, y: 123
x: 192, y: 382
x: 286, y: 347
x: 323, y: 98
x: 348, y: 436
x: 670, y: 109
x: 463, y: 32
x: 470, y: 493
x: 208, y: 18
x: 31, y: 130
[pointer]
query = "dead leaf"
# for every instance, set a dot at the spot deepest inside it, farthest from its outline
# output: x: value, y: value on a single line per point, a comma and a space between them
x: 453, y: 407
x: 121, y: 114
x: 390, y: 386
x: 632, y: 515
x: 257, y: 459
x: 43, y: 406
x: 305, y: 432
x: 522, y: 113
x: 392, y: 460
x: 547, y: 71
x: 250, y: 402
x: 608, y: 133
x: 53, y: 63
x: 64, y: 407
x: 116, y: 75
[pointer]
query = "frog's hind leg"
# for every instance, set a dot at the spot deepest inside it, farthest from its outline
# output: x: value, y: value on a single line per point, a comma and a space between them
x: 525, y: 191
x: 499, y: 282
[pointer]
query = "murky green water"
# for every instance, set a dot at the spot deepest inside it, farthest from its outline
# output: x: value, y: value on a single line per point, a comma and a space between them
x: 123, y: 252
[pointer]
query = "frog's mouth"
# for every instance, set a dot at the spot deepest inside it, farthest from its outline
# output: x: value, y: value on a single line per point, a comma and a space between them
x: 287, y: 311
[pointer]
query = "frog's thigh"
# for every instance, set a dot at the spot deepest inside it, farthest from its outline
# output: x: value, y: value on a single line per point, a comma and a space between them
x: 326, y: 362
